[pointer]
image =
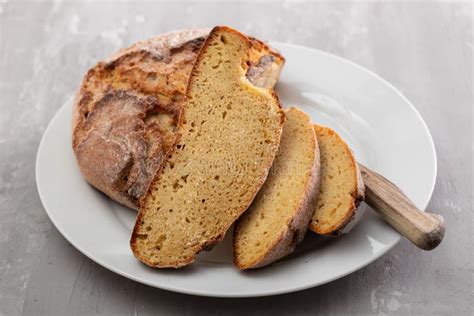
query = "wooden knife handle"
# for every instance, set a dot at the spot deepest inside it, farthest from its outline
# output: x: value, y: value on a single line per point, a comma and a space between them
x: 423, y: 229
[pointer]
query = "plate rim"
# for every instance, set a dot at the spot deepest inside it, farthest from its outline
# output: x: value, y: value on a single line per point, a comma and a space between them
x: 291, y: 289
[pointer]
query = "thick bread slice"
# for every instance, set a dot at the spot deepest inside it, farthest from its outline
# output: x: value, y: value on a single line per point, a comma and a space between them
x: 127, y: 109
x: 230, y: 135
x: 278, y: 217
x: 341, y: 189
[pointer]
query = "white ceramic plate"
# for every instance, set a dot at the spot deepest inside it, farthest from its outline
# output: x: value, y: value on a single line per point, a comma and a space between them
x: 381, y: 125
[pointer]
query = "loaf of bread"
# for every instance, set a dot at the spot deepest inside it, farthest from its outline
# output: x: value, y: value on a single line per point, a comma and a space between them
x: 127, y: 109
x: 278, y: 217
x: 341, y: 190
x: 230, y: 134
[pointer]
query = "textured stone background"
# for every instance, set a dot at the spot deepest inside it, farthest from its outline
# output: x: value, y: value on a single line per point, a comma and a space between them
x: 423, y: 48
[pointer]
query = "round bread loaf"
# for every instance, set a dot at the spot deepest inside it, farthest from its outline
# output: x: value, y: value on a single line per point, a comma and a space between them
x: 127, y: 109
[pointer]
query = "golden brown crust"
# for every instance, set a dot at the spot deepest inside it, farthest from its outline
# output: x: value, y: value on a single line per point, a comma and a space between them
x: 212, y: 241
x: 149, y: 78
x: 352, y: 215
x: 296, y: 225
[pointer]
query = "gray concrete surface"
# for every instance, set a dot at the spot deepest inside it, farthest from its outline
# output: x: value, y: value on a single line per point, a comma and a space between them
x: 423, y: 48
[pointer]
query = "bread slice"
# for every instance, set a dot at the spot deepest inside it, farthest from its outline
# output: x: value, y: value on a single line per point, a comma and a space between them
x: 278, y: 218
x: 341, y: 189
x: 230, y: 134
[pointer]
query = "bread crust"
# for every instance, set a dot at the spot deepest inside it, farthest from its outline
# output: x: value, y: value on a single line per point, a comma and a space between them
x: 208, y: 244
x: 120, y: 159
x: 353, y: 214
x: 296, y: 225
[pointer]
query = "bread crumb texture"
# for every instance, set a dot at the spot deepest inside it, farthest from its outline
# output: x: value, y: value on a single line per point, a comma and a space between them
x: 339, y: 192
x: 278, y: 218
x: 230, y: 135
